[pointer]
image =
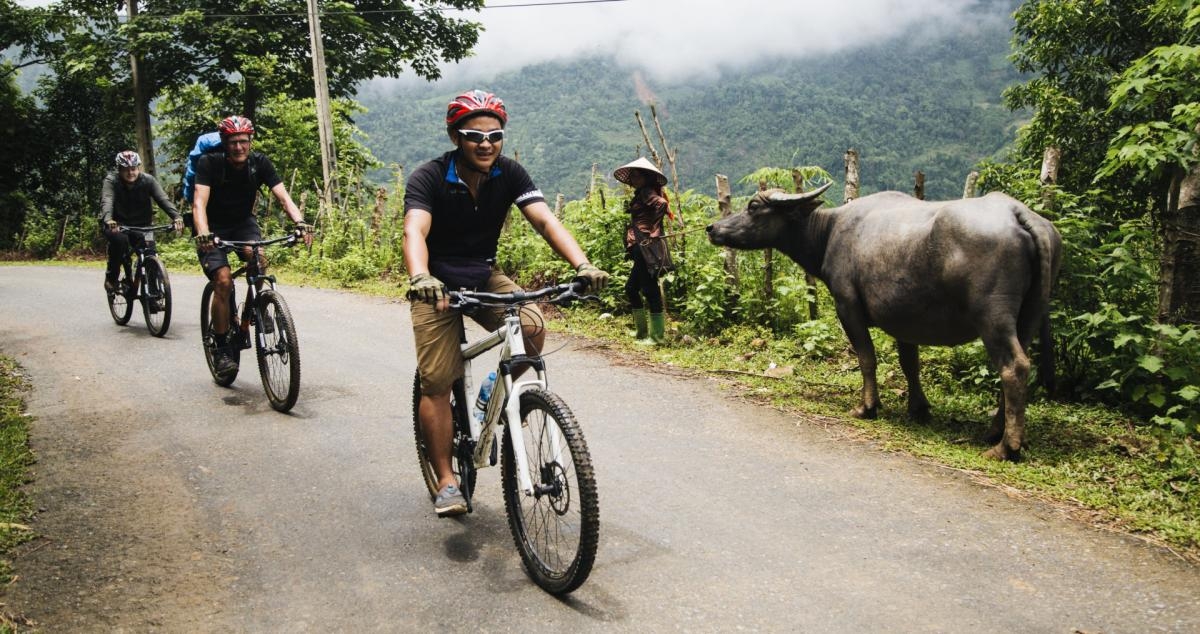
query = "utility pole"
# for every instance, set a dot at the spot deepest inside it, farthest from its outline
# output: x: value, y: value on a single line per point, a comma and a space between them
x: 141, y: 102
x: 324, y: 113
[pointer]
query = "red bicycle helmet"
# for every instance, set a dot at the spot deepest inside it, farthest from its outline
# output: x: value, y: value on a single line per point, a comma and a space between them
x: 128, y: 158
x: 235, y: 125
x: 471, y: 103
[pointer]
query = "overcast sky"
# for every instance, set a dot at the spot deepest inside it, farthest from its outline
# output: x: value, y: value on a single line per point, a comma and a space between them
x: 678, y: 40
x: 673, y: 40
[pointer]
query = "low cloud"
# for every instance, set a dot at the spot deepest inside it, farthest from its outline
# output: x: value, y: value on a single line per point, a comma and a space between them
x: 681, y: 40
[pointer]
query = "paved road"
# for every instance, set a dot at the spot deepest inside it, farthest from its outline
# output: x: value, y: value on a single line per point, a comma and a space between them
x: 170, y: 504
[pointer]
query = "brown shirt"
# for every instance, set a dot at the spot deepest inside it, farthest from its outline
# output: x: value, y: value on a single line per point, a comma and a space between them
x: 646, y: 210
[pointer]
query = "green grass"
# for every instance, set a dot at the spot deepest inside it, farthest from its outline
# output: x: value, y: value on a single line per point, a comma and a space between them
x: 15, y: 461
x: 1099, y: 465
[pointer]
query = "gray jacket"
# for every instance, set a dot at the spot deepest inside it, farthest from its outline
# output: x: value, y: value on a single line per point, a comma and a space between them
x: 130, y: 204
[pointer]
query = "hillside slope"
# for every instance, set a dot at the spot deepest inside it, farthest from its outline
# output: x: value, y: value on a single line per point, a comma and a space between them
x: 909, y: 104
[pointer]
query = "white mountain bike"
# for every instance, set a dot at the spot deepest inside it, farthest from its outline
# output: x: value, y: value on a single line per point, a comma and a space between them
x: 546, y: 472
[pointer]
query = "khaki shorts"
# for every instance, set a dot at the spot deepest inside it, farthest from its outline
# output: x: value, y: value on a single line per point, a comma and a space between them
x: 439, y: 352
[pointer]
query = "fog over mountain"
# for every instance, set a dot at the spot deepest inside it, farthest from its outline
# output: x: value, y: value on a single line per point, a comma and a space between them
x: 675, y: 41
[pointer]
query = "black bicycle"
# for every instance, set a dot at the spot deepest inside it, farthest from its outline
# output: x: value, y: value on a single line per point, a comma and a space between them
x: 274, y: 337
x: 145, y: 280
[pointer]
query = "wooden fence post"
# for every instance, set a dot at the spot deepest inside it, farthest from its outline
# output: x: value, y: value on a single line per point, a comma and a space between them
x: 1049, y: 176
x: 810, y: 282
x: 558, y: 205
x: 768, y: 262
x: 1179, y: 288
x: 646, y: 137
x: 919, y: 186
x: 851, y: 191
x: 671, y: 155
x: 725, y: 206
x: 377, y: 216
x: 969, y: 186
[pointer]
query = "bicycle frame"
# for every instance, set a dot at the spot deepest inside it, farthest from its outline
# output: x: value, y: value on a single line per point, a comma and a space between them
x: 135, y: 271
x: 254, y: 279
x: 513, y: 356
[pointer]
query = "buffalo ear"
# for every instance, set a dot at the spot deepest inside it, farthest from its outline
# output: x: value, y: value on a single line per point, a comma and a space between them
x: 807, y: 200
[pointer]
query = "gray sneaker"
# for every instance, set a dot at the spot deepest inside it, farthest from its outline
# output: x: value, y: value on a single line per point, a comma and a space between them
x: 449, y: 502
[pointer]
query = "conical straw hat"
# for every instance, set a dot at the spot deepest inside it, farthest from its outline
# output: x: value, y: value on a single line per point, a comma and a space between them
x: 641, y: 163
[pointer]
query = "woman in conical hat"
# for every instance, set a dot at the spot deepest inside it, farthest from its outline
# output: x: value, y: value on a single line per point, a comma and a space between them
x: 647, y: 207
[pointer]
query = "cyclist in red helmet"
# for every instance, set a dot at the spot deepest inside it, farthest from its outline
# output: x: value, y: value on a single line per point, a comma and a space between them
x: 454, y: 208
x: 125, y: 199
x: 227, y: 185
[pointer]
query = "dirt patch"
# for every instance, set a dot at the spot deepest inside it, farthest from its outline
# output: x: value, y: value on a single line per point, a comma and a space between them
x: 120, y: 545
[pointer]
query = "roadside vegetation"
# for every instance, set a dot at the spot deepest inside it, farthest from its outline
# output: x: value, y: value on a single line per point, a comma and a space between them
x: 15, y: 462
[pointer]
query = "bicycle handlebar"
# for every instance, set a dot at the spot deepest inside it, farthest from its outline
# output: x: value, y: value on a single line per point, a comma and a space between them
x: 229, y: 245
x: 563, y: 294
x: 124, y: 228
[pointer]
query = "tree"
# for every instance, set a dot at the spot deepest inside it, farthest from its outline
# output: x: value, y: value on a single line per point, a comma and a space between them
x: 27, y: 31
x: 1075, y: 49
x: 242, y: 50
x: 17, y: 130
x: 1116, y: 90
x: 1160, y: 94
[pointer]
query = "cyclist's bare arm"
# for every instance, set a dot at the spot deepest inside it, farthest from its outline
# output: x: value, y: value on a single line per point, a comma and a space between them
x: 417, y: 223
x: 200, y: 208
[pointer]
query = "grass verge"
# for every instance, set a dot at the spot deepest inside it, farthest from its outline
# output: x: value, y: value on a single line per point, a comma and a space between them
x: 15, y: 460
x: 1096, y: 464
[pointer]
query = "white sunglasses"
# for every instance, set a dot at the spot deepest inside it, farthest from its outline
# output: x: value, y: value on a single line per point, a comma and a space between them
x: 479, y: 136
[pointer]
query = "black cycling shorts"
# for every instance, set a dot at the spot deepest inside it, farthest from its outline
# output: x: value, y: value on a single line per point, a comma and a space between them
x: 213, y: 260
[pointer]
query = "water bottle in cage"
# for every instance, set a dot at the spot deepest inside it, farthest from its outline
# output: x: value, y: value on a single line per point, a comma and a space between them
x: 485, y: 393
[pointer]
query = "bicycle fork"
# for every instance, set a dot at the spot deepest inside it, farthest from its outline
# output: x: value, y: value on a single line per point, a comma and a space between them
x: 509, y: 393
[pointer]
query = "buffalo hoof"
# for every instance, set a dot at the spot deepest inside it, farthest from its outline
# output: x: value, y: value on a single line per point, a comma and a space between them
x: 1002, y: 453
x: 919, y: 413
x: 868, y: 413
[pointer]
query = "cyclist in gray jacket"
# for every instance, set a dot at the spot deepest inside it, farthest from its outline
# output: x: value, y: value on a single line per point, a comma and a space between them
x: 125, y: 200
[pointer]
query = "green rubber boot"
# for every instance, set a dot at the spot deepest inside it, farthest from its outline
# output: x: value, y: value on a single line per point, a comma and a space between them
x: 639, y: 324
x: 658, y: 328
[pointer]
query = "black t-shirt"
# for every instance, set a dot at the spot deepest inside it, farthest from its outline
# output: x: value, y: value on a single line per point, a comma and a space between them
x: 463, y: 227
x: 231, y: 199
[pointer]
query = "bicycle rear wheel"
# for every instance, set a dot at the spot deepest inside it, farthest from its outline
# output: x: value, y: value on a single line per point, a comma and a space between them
x: 461, y: 458
x: 278, y: 351
x: 156, y: 302
x: 120, y: 301
x: 557, y: 529
x: 209, y: 342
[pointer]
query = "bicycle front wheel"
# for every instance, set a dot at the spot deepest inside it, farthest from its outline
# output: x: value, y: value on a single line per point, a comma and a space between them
x: 278, y: 351
x: 557, y: 528
x: 209, y: 342
x: 120, y: 302
x: 461, y: 458
x: 156, y: 301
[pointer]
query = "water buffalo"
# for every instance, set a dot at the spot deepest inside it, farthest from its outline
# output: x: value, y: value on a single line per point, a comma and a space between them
x: 926, y: 273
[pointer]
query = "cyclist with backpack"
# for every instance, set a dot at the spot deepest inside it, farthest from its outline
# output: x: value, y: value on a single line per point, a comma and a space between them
x: 454, y: 209
x: 226, y: 187
x: 125, y: 199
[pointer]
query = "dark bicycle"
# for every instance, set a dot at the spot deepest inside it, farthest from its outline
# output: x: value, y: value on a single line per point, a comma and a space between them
x: 274, y: 336
x: 145, y: 280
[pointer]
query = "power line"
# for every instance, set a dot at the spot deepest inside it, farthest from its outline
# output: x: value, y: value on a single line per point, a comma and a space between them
x: 551, y: 3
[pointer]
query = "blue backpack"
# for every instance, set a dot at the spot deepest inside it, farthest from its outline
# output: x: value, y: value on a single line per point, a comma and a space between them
x: 205, y: 143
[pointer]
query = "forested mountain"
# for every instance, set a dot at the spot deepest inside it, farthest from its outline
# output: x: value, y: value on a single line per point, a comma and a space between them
x: 908, y: 104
